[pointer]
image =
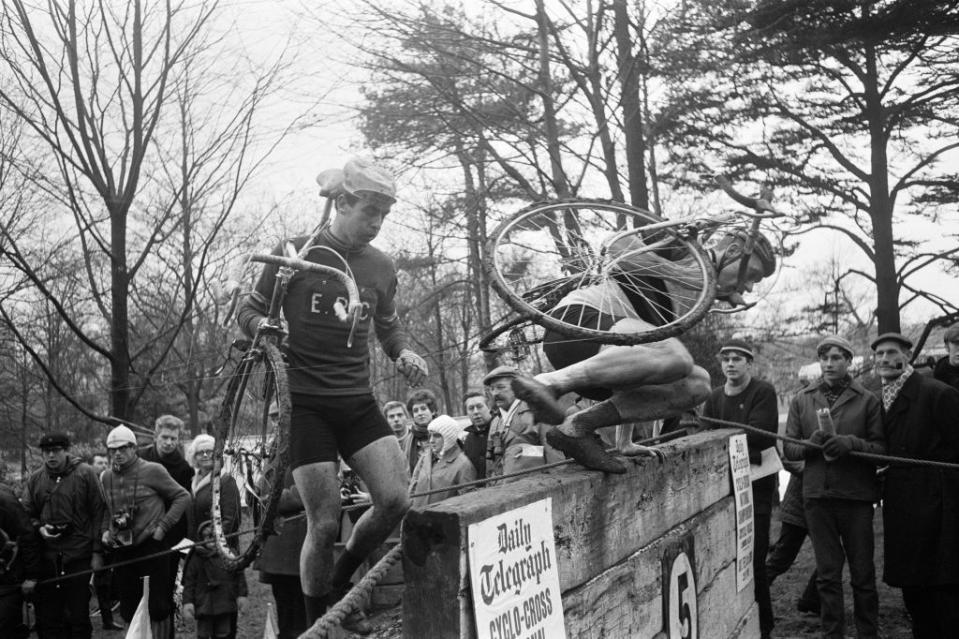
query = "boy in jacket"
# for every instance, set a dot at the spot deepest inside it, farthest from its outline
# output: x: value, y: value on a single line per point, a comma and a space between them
x: 838, y: 490
x: 211, y: 594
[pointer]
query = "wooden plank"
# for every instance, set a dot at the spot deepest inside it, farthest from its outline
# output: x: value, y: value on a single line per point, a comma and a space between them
x: 627, y: 599
x: 598, y: 521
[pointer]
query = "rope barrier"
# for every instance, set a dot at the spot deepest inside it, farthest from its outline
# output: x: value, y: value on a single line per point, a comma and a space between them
x: 335, y: 616
x: 874, y: 457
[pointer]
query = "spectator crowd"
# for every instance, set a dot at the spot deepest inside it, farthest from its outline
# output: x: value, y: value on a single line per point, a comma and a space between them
x: 133, y: 502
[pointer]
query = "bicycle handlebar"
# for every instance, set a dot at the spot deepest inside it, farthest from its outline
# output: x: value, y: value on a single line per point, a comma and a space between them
x: 353, y: 302
x: 757, y: 204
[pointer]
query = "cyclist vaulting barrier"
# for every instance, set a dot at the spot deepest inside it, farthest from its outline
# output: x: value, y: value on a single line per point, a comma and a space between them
x: 648, y: 284
x: 333, y: 409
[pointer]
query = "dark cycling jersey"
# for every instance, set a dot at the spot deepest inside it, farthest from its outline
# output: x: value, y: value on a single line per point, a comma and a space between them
x: 319, y: 361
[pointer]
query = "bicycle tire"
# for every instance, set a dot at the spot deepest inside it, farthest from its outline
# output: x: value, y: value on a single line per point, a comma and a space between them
x: 564, y: 243
x: 258, y: 380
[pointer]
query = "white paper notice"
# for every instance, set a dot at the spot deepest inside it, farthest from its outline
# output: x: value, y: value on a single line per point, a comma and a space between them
x: 514, y: 575
x: 743, y: 494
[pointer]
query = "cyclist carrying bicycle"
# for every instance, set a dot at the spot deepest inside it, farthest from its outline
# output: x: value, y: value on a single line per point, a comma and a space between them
x: 630, y: 383
x: 333, y: 410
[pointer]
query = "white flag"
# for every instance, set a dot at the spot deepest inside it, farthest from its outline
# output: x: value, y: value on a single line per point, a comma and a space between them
x: 140, y: 624
x: 271, y: 630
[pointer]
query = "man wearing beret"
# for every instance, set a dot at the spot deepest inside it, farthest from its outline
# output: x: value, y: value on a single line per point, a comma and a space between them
x: 920, y: 504
x: 834, y: 417
x: 334, y: 411
x: 64, y: 502
x: 947, y: 368
x: 751, y: 401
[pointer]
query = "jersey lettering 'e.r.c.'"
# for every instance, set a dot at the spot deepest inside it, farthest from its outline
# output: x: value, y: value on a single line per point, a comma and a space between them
x: 320, y: 363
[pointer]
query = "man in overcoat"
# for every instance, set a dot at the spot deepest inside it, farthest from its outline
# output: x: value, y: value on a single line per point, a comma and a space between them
x: 920, y: 504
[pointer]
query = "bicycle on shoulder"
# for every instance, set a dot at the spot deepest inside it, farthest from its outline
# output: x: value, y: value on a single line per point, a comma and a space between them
x: 624, y: 260
x: 253, y: 423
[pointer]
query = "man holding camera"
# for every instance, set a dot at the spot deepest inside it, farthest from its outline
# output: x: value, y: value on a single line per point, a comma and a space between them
x: 143, y: 503
x: 64, y: 503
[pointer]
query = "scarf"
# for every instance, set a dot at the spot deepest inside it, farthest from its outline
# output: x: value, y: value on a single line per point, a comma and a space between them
x: 833, y: 391
x: 890, y: 390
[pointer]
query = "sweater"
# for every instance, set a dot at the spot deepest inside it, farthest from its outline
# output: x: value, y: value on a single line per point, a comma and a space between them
x: 320, y: 362
x: 146, y: 487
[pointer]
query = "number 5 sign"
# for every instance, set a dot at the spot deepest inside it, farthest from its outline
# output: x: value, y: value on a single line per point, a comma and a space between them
x: 680, y: 612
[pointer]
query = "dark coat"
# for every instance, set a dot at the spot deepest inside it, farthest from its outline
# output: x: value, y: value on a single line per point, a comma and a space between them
x: 20, y: 553
x: 71, y: 497
x: 946, y: 372
x: 212, y: 589
x: 281, y: 552
x: 921, y: 505
x: 202, y: 508
x: 474, y: 445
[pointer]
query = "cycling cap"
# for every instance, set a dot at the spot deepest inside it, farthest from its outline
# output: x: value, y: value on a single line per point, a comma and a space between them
x: 899, y: 338
x: 361, y: 178
x: 121, y: 436
x: 730, y: 248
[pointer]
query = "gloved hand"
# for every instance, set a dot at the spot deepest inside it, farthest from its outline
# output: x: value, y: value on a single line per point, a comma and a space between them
x: 838, y: 445
x: 818, y: 437
x: 412, y: 366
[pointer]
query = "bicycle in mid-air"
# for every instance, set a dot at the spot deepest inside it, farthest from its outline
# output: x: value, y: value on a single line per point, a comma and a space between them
x: 246, y: 434
x: 538, y: 256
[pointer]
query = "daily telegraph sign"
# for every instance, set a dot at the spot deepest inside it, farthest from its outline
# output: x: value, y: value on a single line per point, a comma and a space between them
x: 514, y: 576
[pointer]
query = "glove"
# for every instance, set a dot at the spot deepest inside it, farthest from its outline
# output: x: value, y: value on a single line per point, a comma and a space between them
x: 838, y: 446
x: 412, y: 366
x: 188, y: 611
x: 818, y: 437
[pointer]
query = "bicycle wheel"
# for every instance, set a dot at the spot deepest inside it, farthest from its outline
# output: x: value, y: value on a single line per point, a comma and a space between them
x: 603, y: 255
x: 246, y: 436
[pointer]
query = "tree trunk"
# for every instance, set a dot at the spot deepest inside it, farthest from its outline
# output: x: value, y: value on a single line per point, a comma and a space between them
x: 880, y: 206
x: 119, y: 327
x: 631, y: 106
x: 559, y: 179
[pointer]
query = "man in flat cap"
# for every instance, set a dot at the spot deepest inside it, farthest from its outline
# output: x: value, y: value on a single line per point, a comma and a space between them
x: 515, y: 441
x: 834, y: 417
x: 920, y: 506
x: 64, y: 502
x: 748, y: 400
x: 947, y: 368
x: 334, y: 411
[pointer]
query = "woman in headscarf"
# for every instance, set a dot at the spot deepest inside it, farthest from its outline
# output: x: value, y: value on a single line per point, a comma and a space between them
x: 444, y: 466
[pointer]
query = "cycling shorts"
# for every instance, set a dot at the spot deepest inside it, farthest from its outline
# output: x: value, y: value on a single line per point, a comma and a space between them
x: 561, y: 350
x: 324, y: 428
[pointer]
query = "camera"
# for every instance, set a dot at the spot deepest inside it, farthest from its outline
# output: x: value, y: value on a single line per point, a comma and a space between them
x: 123, y: 524
x: 59, y: 529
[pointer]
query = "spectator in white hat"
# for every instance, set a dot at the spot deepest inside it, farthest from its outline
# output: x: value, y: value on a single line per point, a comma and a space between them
x: 445, y: 466
x: 143, y: 504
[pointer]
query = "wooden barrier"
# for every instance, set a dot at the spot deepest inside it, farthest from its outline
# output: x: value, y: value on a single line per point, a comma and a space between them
x: 612, y: 533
